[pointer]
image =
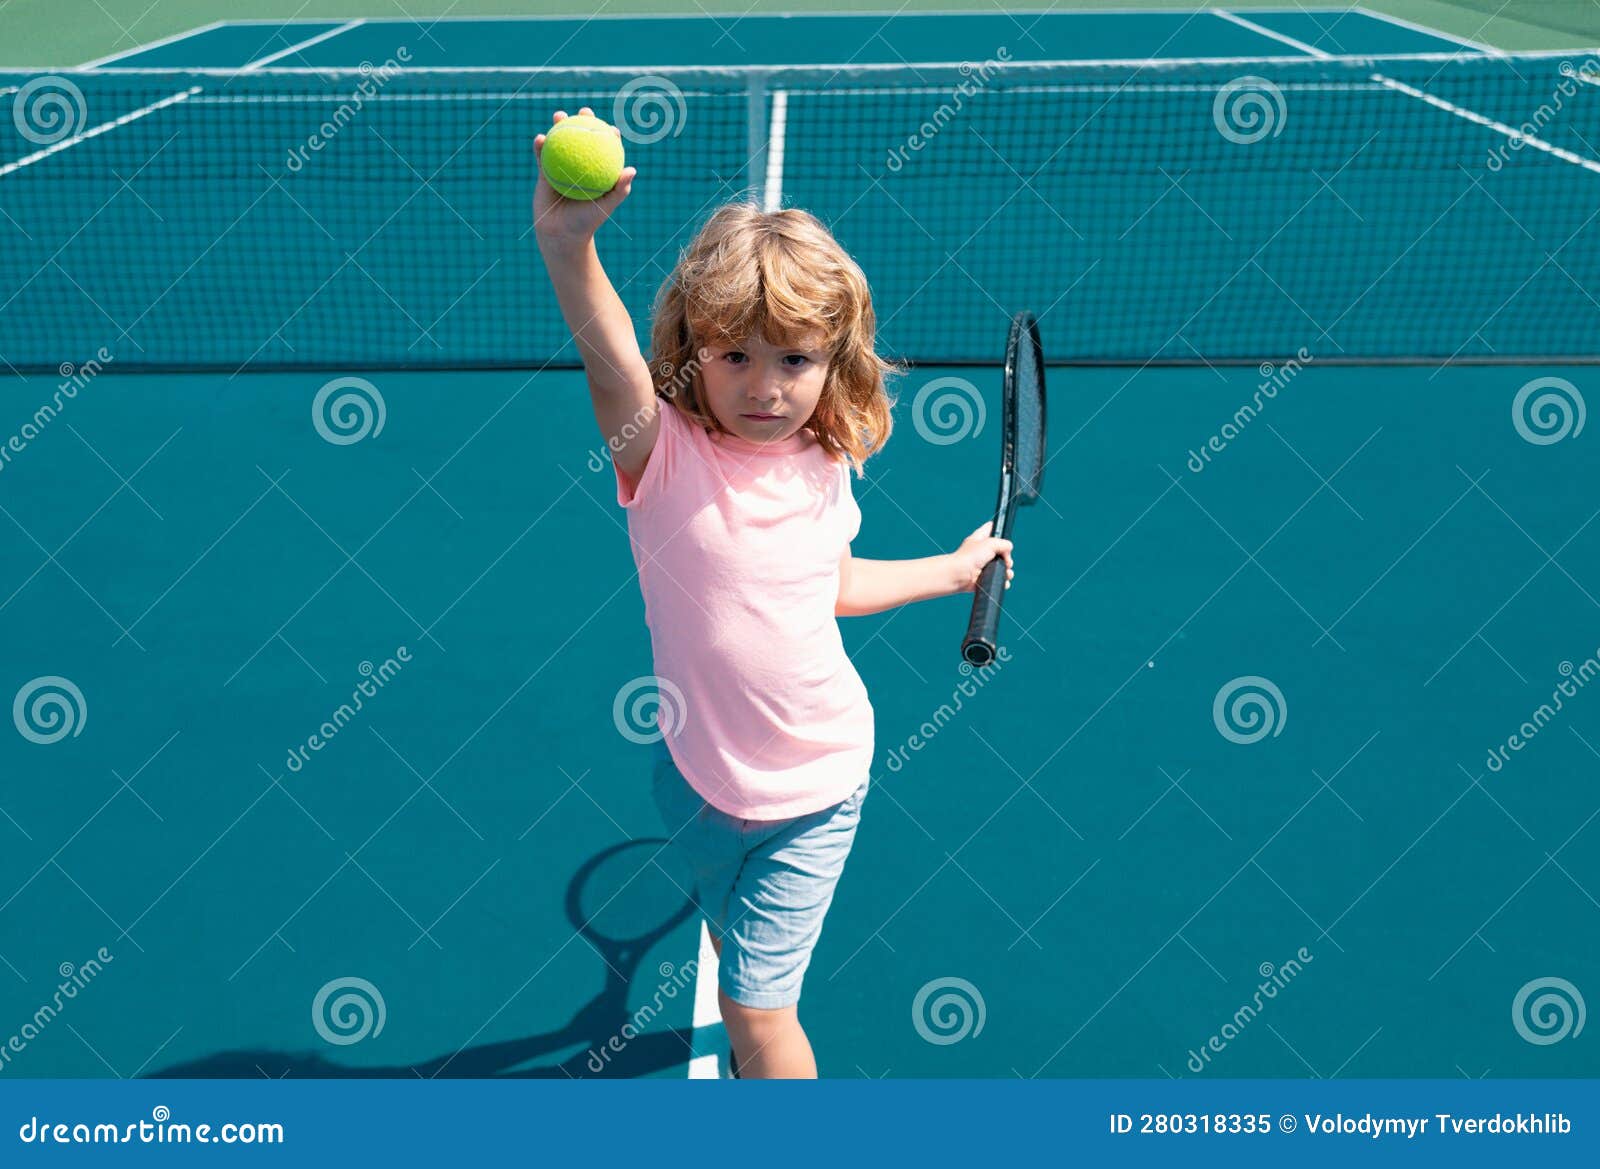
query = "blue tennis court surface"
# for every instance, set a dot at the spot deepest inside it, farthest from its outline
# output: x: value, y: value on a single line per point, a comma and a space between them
x: 1279, y: 702
x: 1075, y: 837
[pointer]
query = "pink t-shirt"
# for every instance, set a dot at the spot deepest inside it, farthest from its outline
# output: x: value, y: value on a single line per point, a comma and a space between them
x: 738, y: 547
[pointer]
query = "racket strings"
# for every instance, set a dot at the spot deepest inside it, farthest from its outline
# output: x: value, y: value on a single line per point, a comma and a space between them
x: 1030, y: 416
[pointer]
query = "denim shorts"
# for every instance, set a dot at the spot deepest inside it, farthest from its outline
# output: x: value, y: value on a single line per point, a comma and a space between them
x: 764, y: 886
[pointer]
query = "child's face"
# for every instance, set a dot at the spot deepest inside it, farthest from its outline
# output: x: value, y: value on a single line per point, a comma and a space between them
x: 764, y: 392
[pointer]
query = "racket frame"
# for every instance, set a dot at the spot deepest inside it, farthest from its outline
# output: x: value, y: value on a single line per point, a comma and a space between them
x: 981, y: 643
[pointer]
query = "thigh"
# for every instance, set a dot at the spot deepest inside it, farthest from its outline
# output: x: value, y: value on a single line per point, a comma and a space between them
x: 709, y: 841
x: 779, y: 901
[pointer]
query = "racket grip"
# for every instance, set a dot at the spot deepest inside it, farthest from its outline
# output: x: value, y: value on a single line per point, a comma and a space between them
x: 983, y: 631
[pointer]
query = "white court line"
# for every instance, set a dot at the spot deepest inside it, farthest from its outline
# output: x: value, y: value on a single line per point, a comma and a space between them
x: 155, y: 44
x: 1267, y: 32
x: 222, y: 99
x: 1511, y: 132
x: 1477, y: 46
x: 709, y: 1051
x: 98, y: 130
x: 305, y: 44
x: 1485, y: 50
x: 1151, y: 64
x: 1476, y: 119
x: 772, y: 198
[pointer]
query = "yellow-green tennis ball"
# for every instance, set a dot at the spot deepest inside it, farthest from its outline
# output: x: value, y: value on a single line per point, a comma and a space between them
x: 582, y: 157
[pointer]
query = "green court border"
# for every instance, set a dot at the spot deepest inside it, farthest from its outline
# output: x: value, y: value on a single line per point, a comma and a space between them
x: 61, y: 33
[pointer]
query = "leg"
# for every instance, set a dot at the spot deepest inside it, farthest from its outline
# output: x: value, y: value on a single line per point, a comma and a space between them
x: 779, y: 901
x: 770, y: 1045
x: 725, y: 1007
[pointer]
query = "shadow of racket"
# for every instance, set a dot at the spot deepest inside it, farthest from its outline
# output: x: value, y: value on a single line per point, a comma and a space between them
x: 622, y: 901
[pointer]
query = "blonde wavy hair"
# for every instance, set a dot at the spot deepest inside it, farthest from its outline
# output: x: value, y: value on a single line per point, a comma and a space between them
x: 778, y: 275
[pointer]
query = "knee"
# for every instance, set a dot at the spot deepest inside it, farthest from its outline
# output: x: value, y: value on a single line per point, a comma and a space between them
x: 753, y: 1023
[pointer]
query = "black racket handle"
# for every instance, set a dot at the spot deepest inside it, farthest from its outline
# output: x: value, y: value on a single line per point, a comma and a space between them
x: 983, y: 631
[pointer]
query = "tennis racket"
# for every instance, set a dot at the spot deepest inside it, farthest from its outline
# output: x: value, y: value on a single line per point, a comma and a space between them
x: 1021, y: 470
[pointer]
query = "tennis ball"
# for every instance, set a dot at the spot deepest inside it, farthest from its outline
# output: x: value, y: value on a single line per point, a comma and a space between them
x: 582, y: 157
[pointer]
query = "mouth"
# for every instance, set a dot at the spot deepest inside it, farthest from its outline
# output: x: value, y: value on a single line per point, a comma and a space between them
x: 762, y: 417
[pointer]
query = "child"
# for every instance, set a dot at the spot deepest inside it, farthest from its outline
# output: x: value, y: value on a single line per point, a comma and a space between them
x: 733, y: 447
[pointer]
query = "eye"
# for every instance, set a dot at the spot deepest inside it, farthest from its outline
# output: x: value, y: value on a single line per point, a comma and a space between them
x: 735, y: 357
x: 796, y: 359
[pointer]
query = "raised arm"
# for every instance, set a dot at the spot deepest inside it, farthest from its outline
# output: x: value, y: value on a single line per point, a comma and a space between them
x: 620, y: 388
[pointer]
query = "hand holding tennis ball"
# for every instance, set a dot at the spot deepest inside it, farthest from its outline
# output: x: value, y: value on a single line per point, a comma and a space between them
x: 581, y: 176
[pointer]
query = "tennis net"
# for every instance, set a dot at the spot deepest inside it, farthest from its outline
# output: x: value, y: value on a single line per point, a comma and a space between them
x: 1369, y: 210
